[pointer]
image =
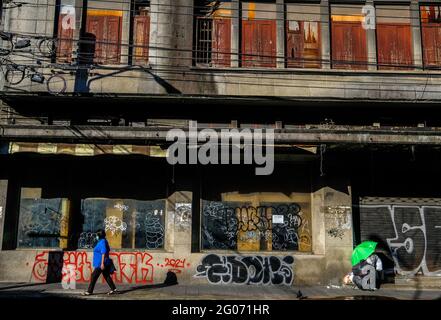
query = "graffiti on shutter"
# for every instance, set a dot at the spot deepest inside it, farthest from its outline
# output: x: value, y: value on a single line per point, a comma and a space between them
x: 411, y: 230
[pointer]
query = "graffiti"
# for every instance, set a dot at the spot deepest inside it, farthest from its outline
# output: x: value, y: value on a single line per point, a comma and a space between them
x: 41, y: 222
x: 87, y: 240
x: 174, y: 265
x: 183, y: 215
x: 225, y: 223
x: 411, y: 232
x: 338, y: 220
x: 154, y: 232
x: 131, y: 267
x: 246, y: 270
x: 121, y: 207
x: 114, y: 224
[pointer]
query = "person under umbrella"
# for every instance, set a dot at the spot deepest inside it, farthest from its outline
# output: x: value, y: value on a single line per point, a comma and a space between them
x: 367, y: 267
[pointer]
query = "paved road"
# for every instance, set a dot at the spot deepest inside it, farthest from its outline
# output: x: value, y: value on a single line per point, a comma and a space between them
x: 217, y: 292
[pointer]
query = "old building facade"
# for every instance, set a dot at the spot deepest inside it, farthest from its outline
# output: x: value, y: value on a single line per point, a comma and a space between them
x: 91, y: 88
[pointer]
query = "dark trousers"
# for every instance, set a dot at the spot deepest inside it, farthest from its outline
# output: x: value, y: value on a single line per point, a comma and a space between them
x: 96, y: 274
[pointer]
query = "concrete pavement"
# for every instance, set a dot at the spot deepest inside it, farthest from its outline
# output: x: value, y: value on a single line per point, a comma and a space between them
x: 216, y: 292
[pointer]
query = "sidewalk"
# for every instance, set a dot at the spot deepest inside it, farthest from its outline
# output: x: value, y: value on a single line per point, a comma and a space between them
x: 215, y: 292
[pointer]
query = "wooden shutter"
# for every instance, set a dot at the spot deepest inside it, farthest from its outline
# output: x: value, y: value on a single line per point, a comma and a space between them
x: 141, y: 29
x: 107, y: 30
x: 348, y: 45
x: 394, y: 46
x: 65, y: 41
x: 431, y: 34
x: 221, y: 47
x: 259, y: 43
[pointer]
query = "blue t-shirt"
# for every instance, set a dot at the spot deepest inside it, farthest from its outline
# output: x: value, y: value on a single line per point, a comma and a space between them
x: 102, y: 247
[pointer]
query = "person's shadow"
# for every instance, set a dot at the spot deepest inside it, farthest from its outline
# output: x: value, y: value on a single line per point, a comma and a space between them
x: 170, y: 280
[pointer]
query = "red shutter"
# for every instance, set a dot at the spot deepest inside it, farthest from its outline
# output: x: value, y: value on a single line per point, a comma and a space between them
x: 112, y: 39
x: 221, y: 47
x: 394, y: 46
x: 95, y: 25
x: 141, y: 29
x: 259, y: 43
x: 431, y: 33
x: 107, y: 30
x: 348, y: 45
x: 65, y: 42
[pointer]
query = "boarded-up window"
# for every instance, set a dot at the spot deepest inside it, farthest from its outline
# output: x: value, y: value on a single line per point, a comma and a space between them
x: 42, y: 222
x: 141, y: 36
x: 128, y: 223
x: 431, y: 35
x: 213, y: 35
x: 303, y: 36
x: 268, y: 226
x: 394, y: 37
x: 259, y: 35
x: 65, y: 38
x: 349, y: 43
x: 106, y: 29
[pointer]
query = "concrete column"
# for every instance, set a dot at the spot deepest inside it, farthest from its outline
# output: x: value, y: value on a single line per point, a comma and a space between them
x: 171, y: 33
x: 182, y: 206
x: 3, y: 194
x: 318, y: 222
x: 416, y: 34
x: 235, y: 32
x: 125, y: 7
x: 280, y: 16
x: 325, y: 34
x: 371, y: 44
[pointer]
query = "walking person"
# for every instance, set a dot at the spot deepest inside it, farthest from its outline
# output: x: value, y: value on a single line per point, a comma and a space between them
x: 102, y: 264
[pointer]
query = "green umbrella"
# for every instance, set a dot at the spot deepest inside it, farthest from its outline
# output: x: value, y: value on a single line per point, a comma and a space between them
x: 363, y: 251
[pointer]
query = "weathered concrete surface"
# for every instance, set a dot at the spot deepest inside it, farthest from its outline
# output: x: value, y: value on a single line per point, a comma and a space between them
x: 302, y: 134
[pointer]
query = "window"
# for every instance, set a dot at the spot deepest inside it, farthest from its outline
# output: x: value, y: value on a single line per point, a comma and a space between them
x: 213, y: 33
x: 394, y: 37
x: 128, y: 223
x: 258, y: 35
x: 141, y: 32
x: 431, y: 35
x: 42, y: 222
x: 270, y: 226
x: 303, y: 36
x: 349, y: 42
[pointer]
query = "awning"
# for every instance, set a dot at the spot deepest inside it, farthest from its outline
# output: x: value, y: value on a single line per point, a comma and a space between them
x: 85, y: 149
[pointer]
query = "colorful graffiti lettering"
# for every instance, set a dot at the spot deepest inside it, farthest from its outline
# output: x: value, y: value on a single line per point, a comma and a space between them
x: 131, y: 267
